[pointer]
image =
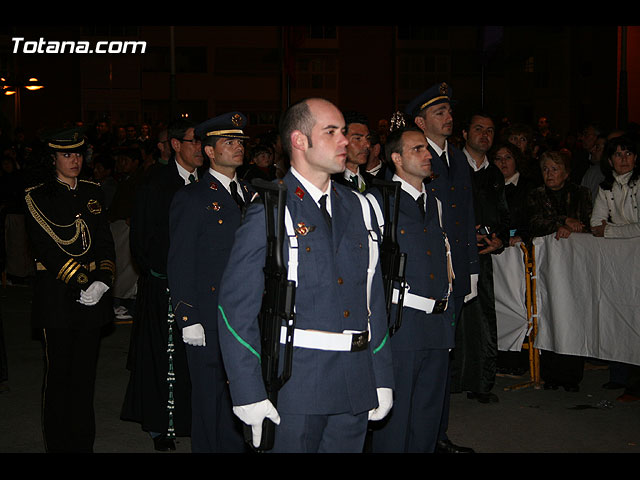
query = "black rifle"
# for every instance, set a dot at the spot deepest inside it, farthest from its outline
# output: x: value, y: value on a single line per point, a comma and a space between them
x: 278, y: 303
x: 393, y: 262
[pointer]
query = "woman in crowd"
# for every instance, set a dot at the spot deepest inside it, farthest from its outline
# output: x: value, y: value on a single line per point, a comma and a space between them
x: 509, y: 159
x: 561, y: 207
x: 615, y: 215
x: 522, y: 136
x: 615, y: 211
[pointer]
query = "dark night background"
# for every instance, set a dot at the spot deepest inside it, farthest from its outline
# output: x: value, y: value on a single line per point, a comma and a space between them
x: 570, y: 74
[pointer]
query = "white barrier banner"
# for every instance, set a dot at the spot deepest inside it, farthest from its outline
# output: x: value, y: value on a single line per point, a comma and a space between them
x: 588, y: 296
x: 510, y: 294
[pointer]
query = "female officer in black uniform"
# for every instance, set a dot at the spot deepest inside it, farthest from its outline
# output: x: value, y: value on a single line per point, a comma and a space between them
x: 74, y: 252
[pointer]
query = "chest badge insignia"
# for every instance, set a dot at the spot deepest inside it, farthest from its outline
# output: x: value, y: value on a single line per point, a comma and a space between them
x: 94, y: 207
x: 303, y: 229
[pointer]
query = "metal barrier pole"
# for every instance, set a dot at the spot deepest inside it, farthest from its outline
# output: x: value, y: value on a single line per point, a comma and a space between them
x: 532, y: 315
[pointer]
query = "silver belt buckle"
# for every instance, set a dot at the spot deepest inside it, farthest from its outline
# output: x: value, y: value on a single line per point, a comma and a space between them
x: 440, y: 306
x: 359, y: 341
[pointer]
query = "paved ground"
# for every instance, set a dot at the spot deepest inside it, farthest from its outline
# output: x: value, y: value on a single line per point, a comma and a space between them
x: 526, y: 420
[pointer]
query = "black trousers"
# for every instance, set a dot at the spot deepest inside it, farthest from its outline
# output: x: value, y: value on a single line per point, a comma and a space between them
x: 214, y: 427
x: 561, y: 369
x: 67, y: 403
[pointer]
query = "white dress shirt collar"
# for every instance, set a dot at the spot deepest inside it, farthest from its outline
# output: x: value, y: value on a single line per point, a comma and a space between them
x: 314, y: 191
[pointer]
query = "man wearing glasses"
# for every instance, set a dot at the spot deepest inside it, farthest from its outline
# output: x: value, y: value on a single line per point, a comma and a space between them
x: 159, y: 391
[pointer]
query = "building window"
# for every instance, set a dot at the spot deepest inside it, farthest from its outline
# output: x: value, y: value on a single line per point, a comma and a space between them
x: 322, y: 32
x: 423, y: 33
x: 188, y: 59
x: 261, y: 119
x: 316, y: 72
x: 417, y: 70
x: 529, y: 65
x: 109, y: 31
x: 252, y: 61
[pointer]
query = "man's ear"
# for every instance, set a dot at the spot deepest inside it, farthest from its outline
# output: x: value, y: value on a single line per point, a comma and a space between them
x: 209, y: 151
x: 396, y: 158
x: 299, y: 140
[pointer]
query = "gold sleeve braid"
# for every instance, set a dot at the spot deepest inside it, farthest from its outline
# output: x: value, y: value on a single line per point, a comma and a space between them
x: 68, y: 270
x: 109, y: 266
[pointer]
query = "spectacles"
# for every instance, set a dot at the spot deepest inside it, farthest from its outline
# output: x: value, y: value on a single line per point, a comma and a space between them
x: 192, y: 140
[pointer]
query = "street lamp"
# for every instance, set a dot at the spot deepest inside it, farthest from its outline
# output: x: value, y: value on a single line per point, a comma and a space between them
x: 13, y: 88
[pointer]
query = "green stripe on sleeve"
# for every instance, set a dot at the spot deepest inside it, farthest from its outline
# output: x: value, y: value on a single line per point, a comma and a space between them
x: 384, y: 340
x: 236, y: 336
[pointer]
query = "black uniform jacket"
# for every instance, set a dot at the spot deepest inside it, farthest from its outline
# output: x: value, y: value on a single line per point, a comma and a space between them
x: 72, y: 244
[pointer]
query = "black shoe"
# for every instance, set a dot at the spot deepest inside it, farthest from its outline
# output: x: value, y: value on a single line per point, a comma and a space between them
x: 483, y: 397
x: 446, y: 446
x: 613, y: 385
x: 571, y: 387
x: 164, y: 444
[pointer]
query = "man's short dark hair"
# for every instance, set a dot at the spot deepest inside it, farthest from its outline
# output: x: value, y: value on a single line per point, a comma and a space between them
x: 354, y: 117
x: 478, y: 113
x: 178, y: 128
x: 297, y: 117
x: 395, y: 144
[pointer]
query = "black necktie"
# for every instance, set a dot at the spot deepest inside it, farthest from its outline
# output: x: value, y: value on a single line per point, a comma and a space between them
x: 323, y: 209
x: 354, y: 180
x: 420, y: 202
x: 192, y: 178
x: 234, y: 193
x: 443, y: 157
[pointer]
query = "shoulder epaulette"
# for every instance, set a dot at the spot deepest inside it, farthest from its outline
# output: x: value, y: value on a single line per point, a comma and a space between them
x: 26, y: 190
x: 89, y: 181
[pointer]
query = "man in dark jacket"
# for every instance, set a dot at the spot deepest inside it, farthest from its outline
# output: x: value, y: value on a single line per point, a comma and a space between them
x: 451, y: 183
x: 474, y: 360
x: 159, y: 392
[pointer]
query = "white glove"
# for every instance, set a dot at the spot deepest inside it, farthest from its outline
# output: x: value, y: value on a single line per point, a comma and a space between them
x: 385, y: 402
x: 92, y: 294
x: 474, y: 288
x: 194, y: 335
x: 254, y: 414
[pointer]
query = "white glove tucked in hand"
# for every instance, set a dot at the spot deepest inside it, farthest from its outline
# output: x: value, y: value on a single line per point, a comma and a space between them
x: 92, y: 294
x: 194, y: 335
x: 254, y: 414
x: 474, y: 288
x: 385, y: 402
